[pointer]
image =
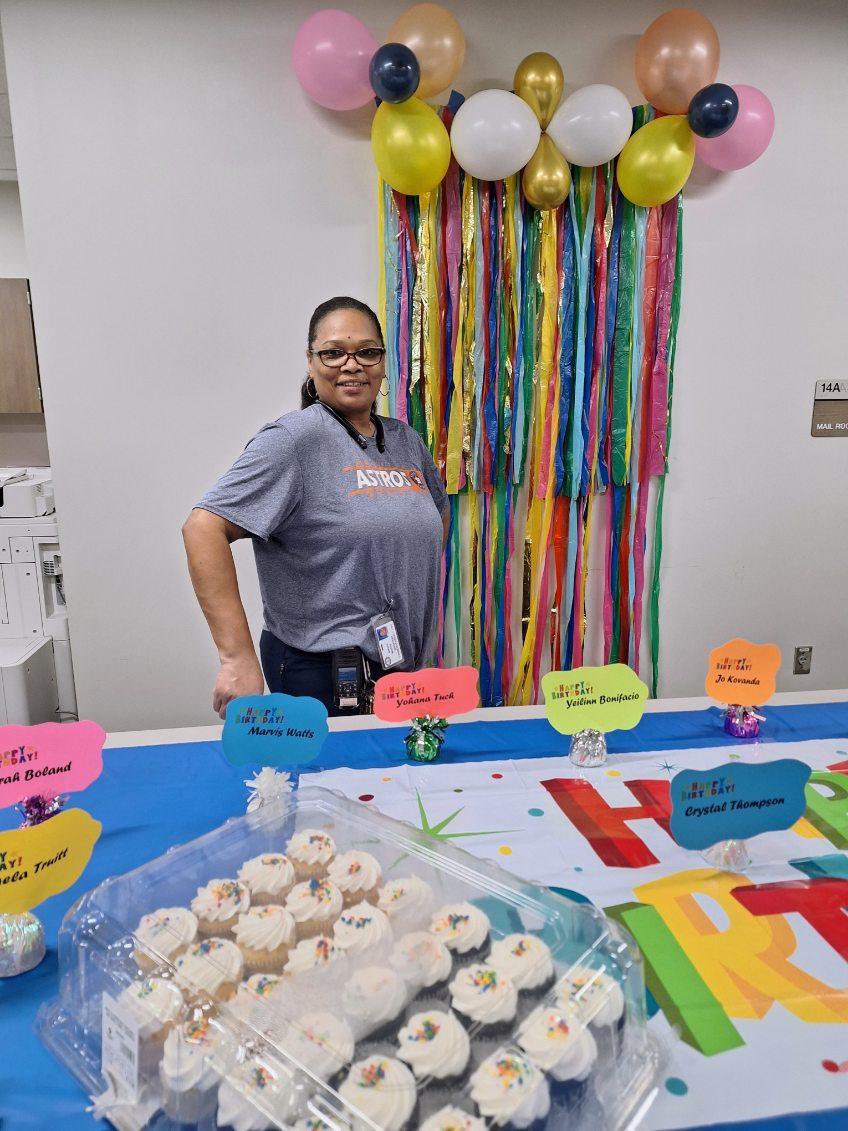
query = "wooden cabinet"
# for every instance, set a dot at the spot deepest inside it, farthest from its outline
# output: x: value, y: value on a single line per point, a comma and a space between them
x: 20, y: 390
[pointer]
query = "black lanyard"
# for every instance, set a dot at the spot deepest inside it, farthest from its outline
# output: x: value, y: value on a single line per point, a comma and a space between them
x: 353, y: 433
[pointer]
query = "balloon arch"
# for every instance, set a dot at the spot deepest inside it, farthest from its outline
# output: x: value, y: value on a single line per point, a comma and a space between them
x: 530, y: 281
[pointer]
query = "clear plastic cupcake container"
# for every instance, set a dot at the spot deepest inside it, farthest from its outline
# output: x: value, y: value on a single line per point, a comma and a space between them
x: 316, y: 1047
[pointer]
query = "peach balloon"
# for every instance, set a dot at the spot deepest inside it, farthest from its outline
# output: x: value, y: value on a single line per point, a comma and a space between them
x: 437, y: 40
x: 676, y: 57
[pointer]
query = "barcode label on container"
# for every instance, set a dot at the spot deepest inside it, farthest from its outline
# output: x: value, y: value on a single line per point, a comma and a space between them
x: 120, y: 1048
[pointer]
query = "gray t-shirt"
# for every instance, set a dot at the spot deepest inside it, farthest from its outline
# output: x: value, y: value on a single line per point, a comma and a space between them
x: 340, y: 533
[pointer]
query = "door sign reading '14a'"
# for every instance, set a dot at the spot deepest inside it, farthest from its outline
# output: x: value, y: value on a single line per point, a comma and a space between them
x: 742, y: 673
x: 606, y: 698
x: 274, y: 730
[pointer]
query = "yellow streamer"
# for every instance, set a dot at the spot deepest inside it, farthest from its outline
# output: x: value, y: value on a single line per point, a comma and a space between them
x: 432, y: 318
x: 382, y: 311
x: 541, y: 509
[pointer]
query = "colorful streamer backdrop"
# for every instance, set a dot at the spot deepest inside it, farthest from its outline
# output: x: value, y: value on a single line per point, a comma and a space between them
x: 534, y: 352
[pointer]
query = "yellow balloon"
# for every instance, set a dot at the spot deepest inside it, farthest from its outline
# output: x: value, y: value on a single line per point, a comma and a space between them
x: 539, y: 81
x: 547, y: 177
x: 411, y: 146
x: 656, y: 162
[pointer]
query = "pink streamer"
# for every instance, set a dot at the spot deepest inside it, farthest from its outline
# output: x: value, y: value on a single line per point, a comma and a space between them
x: 659, y: 378
x: 403, y: 344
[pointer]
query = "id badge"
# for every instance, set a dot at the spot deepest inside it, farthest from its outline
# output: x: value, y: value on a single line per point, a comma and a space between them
x: 388, y: 643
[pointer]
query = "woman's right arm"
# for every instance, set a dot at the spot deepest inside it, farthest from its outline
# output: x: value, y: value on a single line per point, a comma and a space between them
x: 207, y: 539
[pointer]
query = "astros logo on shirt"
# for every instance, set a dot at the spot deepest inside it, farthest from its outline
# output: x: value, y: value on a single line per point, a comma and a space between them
x: 385, y: 480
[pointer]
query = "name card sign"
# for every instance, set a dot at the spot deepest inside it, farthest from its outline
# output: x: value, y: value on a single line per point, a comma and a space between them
x: 742, y: 673
x: 274, y: 730
x: 45, y: 859
x: 48, y: 758
x: 443, y: 692
x: 606, y: 698
x: 736, y: 801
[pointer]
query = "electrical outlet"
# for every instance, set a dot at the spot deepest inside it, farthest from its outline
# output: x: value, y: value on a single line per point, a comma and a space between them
x: 803, y: 659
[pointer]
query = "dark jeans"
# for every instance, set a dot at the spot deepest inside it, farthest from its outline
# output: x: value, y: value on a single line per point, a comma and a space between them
x: 294, y: 672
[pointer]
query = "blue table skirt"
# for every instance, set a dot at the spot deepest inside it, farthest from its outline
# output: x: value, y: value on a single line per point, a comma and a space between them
x: 151, y: 797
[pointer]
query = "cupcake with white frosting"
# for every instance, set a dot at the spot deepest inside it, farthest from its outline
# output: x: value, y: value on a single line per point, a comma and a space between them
x: 164, y: 935
x: 320, y: 1043
x: 218, y: 906
x: 464, y: 930
x: 250, y: 1090
x: 269, y: 878
x: 357, y: 875
x: 265, y: 935
x: 363, y: 930
x: 484, y: 996
x: 312, y: 954
x: 424, y: 963
x: 372, y: 1000
x: 510, y: 1090
x: 559, y: 1043
x: 595, y: 996
x: 253, y: 995
x: 315, y: 905
x: 451, y: 1118
x: 382, y: 1089
x: 527, y: 962
x: 187, y: 1072
x: 408, y: 901
x: 156, y: 1004
x: 436, y: 1047
x: 310, y: 852
x: 213, y: 966
x: 316, y: 1123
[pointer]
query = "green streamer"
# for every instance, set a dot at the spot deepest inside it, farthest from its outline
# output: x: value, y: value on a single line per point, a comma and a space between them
x: 623, y: 343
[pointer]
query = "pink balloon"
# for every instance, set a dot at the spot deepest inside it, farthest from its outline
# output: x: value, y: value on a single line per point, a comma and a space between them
x: 331, y: 54
x: 748, y: 137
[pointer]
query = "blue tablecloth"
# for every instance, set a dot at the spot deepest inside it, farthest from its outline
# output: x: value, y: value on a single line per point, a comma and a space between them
x: 151, y: 797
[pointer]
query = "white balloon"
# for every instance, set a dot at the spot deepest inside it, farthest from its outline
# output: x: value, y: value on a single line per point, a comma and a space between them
x: 494, y: 134
x: 592, y: 125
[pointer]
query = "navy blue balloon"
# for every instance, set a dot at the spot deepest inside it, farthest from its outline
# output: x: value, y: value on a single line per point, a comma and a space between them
x: 394, y: 72
x: 713, y: 110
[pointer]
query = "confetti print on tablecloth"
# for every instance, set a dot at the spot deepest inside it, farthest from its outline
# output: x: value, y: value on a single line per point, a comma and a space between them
x: 676, y: 1086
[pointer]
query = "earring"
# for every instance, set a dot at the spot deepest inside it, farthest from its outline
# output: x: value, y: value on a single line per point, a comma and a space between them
x: 384, y: 392
x: 313, y: 392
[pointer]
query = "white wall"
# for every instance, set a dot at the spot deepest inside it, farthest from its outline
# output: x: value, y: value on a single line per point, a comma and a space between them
x: 185, y: 207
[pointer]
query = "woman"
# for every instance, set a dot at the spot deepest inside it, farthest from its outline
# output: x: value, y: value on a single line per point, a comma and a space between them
x: 348, y: 518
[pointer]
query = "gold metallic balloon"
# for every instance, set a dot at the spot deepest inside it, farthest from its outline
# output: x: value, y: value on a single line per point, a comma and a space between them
x: 547, y: 177
x: 656, y: 162
x: 539, y: 81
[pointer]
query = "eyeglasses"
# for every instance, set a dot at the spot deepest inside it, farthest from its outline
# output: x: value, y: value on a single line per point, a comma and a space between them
x: 335, y: 358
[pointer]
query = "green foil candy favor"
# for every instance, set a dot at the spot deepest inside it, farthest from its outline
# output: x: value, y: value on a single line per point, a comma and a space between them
x: 425, y: 738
